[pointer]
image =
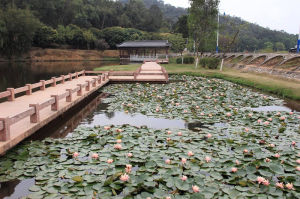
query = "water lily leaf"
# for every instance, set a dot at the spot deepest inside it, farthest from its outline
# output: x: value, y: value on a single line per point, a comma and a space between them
x: 77, y: 179
x: 276, y: 169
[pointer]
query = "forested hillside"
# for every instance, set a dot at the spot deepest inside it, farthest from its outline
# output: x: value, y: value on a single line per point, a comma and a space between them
x: 101, y: 24
x: 253, y: 37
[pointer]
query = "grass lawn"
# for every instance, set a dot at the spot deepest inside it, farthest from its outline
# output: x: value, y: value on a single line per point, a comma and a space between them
x: 268, y: 83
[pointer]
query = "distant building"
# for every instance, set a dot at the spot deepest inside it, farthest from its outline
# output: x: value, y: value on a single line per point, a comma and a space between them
x: 144, y: 50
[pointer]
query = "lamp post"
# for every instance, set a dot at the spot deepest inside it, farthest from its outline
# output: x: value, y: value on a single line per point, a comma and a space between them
x: 217, y: 48
x: 298, y: 44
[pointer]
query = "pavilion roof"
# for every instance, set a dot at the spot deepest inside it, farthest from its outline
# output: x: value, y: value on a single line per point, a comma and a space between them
x: 145, y: 44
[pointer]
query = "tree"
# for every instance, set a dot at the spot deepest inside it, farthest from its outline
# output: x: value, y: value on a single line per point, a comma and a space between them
x: 45, y: 36
x: 202, y: 23
x: 279, y: 46
x: 181, y: 26
x: 178, y: 43
x: 17, y: 28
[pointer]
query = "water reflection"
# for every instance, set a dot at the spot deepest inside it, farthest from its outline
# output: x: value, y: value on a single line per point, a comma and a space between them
x: 17, y: 74
x: 15, y: 188
x: 271, y: 108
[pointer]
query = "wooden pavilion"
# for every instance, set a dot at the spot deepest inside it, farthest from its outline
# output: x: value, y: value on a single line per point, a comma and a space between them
x: 144, y: 50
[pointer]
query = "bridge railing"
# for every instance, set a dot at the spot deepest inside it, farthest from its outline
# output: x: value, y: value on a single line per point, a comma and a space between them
x: 33, y: 111
x: 10, y: 93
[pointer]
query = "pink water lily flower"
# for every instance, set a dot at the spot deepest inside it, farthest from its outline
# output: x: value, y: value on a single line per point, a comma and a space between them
x: 277, y: 155
x: 75, y: 154
x: 207, y: 159
x: 169, y: 132
x: 168, y: 197
x: 119, y: 141
x: 246, y: 151
x: 197, y: 107
x: 266, y: 182
x: 202, y: 114
x: 190, y: 153
x: 268, y: 160
x: 293, y: 143
x: 259, y: 121
x: 234, y: 169
x: 266, y: 123
x: 260, y: 179
x: 280, y: 185
x: 129, y: 155
x: 95, y: 156
x: 184, y: 178
x: 298, y: 161
x: 109, y: 161
x: 124, y: 177
x: 128, y: 168
x: 278, y: 113
x: 237, y: 162
x: 291, y: 113
x: 298, y: 168
x: 195, y: 189
x: 157, y: 109
x: 289, y: 186
x: 270, y: 119
x: 107, y: 127
x: 168, y: 161
x: 246, y: 130
x: 282, y: 118
x: 272, y: 145
x: 118, y: 146
x: 168, y: 139
x: 119, y: 130
x: 250, y: 115
x: 208, y: 135
x: 179, y: 133
x: 228, y: 114
x: 183, y: 160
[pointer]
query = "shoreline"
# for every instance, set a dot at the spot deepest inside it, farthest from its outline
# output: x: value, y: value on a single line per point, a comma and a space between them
x: 281, y: 87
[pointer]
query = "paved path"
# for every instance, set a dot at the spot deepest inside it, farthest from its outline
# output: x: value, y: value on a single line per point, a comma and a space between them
x: 149, y: 71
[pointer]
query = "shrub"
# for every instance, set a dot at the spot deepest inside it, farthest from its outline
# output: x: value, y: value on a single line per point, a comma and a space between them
x: 210, y: 62
x: 186, y: 60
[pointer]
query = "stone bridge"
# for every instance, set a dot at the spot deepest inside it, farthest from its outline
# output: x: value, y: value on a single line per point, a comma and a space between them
x: 259, y: 59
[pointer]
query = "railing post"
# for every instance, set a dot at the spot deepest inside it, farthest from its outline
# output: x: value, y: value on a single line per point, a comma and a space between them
x: 62, y: 79
x: 99, y: 79
x: 79, y: 93
x: 12, y: 94
x: 54, y: 81
x: 29, y: 91
x: 5, y: 132
x: 69, y: 97
x: 83, y: 74
x: 43, y: 87
x: 35, y: 118
x: 103, y: 77
x: 87, y: 88
x: 70, y: 76
x: 55, y: 106
x: 95, y: 82
x: 76, y: 75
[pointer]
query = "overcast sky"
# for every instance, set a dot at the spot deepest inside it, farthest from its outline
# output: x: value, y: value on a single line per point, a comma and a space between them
x: 275, y: 14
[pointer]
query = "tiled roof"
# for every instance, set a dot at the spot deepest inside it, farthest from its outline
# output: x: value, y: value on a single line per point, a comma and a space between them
x: 144, y: 44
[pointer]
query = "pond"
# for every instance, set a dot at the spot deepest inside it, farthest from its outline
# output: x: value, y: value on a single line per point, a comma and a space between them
x: 214, y: 119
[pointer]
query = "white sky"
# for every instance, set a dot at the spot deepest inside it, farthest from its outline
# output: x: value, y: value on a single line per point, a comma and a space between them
x: 275, y: 14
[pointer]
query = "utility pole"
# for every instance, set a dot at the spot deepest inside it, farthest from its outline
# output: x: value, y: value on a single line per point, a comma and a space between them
x: 217, y: 48
x: 298, y: 44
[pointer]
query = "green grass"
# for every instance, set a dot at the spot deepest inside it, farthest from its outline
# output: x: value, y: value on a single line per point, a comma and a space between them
x: 279, y: 86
